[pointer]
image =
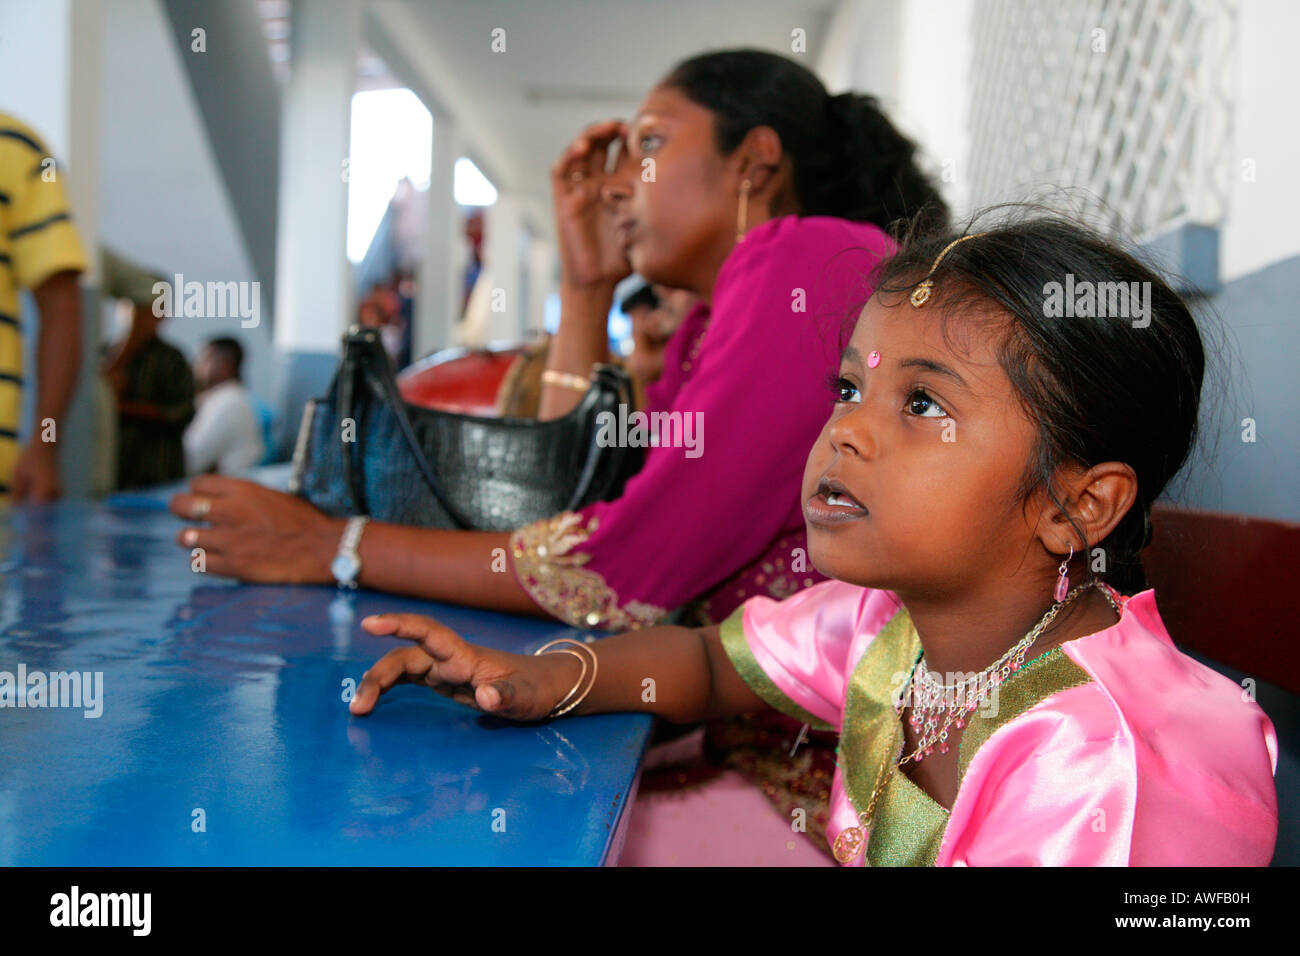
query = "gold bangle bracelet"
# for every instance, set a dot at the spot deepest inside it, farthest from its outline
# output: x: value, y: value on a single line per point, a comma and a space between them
x: 563, y: 707
x: 560, y: 712
x: 566, y: 380
x: 581, y: 677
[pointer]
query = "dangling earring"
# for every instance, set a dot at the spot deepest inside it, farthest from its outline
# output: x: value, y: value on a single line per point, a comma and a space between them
x: 1063, y: 582
x: 742, y: 211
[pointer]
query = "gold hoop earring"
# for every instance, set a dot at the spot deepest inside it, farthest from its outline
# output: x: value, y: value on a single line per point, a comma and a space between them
x: 742, y: 211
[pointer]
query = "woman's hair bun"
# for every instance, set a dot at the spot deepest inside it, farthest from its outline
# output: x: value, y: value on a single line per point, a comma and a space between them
x: 848, y: 159
x: 869, y: 167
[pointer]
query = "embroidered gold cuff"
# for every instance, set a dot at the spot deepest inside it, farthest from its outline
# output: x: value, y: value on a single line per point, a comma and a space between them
x: 552, y: 573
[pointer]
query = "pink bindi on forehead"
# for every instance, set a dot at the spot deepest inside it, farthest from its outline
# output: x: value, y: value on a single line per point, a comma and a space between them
x: 873, y: 359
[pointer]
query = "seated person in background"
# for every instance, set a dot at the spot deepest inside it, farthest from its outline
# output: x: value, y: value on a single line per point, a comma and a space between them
x: 382, y: 309
x: 155, y: 401
x: 521, y: 387
x: 120, y: 279
x: 655, y: 310
x: 226, y: 435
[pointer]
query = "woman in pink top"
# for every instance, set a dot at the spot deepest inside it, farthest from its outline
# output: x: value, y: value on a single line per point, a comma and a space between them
x: 743, y: 181
x: 701, y: 519
x: 979, y: 495
x: 740, y: 180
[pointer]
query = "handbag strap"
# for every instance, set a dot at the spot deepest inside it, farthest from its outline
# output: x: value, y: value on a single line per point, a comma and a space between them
x: 347, y: 400
x: 610, y: 379
x: 388, y: 388
x: 364, y: 359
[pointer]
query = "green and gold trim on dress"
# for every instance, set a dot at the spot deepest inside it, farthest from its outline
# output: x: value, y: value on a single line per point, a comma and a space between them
x: 1049, y: 674
x: 909, y: 824
x: 552, y: 573
x: 742, y: 658
x: 872, y: 740
x: 914, y: 825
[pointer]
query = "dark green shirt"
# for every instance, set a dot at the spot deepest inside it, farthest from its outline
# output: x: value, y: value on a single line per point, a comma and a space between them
x: 151, y: 452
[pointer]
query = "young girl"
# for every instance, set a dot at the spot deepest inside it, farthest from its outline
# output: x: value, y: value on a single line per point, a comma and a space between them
x: 1004, y: 689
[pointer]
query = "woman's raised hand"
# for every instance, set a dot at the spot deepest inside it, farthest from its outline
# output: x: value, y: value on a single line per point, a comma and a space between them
x: 516, y: 686
x: 590, y: 250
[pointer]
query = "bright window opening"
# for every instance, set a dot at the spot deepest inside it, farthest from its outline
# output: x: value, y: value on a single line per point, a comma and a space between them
x: 472, y: 187
x: 392, y: 136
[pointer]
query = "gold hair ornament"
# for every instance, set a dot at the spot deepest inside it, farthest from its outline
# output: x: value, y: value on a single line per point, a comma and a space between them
x: 921, y: 294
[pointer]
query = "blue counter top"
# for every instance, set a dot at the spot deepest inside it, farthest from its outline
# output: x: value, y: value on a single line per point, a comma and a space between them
x: 225, y: 738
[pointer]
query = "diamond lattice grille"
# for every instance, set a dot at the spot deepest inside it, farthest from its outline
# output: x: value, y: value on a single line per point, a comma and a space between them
x: 1128, y: 102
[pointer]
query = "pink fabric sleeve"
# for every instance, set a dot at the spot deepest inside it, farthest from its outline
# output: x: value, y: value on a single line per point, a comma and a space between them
x: 758, y: 399
x: 795, y: 653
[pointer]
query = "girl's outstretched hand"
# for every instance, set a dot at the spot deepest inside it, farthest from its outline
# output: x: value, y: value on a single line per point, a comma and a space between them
x: 515, y: 686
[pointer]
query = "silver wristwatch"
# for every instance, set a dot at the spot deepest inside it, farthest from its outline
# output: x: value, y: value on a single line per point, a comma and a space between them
x: 346, y: 566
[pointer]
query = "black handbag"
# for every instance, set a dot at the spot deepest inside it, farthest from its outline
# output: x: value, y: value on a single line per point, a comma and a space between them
x: 363, y: 450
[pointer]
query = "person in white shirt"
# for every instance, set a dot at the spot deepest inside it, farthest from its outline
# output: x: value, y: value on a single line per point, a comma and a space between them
x: 225, y: 435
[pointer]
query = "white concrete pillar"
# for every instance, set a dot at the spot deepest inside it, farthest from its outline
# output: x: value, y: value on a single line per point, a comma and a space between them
x: 312, y: 290
x: 543, y: 279
x: 503, y: 261
x: 441, y: 279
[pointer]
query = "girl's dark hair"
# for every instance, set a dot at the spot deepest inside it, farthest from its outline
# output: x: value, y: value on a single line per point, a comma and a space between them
x: 849, y: 160
x: 1117, y: 387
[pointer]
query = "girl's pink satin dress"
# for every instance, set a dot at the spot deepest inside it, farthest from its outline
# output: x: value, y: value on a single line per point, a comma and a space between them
x: 1150, y: 759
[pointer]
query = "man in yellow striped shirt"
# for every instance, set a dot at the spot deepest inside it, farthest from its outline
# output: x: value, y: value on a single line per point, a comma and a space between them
x: 40, y: 251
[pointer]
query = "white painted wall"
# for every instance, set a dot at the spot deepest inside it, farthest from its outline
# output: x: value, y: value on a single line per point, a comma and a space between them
x: 33, y: 43
x: 164, y: 204
x: 915, y: 58
x: 934, y: 56
x: 1261, y: 227
x: 861, y: 49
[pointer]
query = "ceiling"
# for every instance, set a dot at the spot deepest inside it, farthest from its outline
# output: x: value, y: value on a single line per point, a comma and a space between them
x: 567, y: 63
